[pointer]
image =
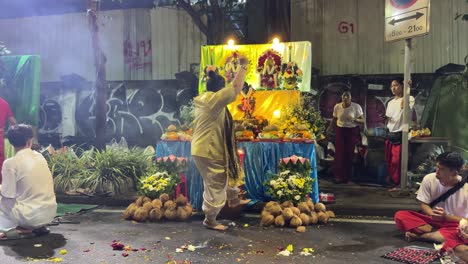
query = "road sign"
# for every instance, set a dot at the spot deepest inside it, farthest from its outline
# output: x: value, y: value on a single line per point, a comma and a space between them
x: 406, y: 19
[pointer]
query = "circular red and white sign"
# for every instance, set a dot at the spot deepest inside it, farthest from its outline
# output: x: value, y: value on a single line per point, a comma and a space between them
x: 402, y: 4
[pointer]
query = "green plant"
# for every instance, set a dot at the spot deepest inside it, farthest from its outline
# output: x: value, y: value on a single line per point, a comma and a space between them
x: 172, y: 164
x: 114, y: 170
x: 66, y: 168
x: 303, y: 113
x: 296, y: 164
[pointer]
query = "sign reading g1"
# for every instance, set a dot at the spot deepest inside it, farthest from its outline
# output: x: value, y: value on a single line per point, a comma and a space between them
x: 345, y: 27
x: 406, y: 19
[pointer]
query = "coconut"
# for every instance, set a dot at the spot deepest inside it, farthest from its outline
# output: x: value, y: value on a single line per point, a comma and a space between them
x: 267, y: 220
x: 330, y: 214
x: 156, y: 203
x: 295, y: 221
x: 301, y: 229
x: 164, y: 197
x: 148, y: 206
x: 320, y: 207
x: 264, y: 212
x: 188, y: 208
x: 181, y: 200
x: 274, y: 209
x: 303, y: 207
x: 287, y: 204
x: 171, y: 213
x: 146, y: 199
x: 139, y: 201
x: 140, y: 215
x: 322, y: 217
x: 155, y: 214
x: 296, y: 211
x: 128, y: 213
x: 287, y: 214
x: 182, y: 214
x: 168, y: 204
x: 310, y: 204
x: 270, y: 204
x: 305, y: 219
x: 313, y: 219
x: 279, y: 221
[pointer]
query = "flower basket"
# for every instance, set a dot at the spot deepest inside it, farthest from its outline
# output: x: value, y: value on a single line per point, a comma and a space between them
x: 292, y: 182
x: 165, y: 178
x: 172, y: 164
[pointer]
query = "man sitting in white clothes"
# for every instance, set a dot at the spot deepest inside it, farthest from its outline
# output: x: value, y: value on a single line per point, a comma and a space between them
x: 27, y: 198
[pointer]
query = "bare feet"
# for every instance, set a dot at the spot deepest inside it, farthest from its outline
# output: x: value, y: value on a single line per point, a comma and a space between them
x: 16, y: 233
x: 410, y: 237
x: 245, y: 201
x: 233, y: 203
x: 214, y: 225
x: 236, y: 202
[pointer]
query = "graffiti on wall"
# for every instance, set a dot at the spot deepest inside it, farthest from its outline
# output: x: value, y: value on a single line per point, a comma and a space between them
x: 137, y: 55
x: 139, y: 111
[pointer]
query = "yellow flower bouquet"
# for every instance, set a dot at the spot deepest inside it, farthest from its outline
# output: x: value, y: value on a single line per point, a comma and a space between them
x: 156, y: 184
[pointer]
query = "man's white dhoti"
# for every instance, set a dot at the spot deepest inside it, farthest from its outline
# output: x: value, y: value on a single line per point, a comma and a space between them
x: 215, y: 186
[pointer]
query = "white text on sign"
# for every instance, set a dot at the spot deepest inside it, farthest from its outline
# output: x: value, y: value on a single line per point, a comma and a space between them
x: 406, y: 25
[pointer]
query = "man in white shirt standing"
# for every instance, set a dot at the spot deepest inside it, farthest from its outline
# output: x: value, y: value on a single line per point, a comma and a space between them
x: 394, y: 117
x: 27, y: 198
x: 440, y: 219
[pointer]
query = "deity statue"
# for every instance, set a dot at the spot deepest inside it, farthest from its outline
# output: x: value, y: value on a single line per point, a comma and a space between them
x: 248, y: 101
x: 269, y: 74
x: 231, y: 67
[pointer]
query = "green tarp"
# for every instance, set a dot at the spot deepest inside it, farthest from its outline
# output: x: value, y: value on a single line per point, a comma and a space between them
x: 446, y: 110
x: 64, y: 209
x: 22, y: 75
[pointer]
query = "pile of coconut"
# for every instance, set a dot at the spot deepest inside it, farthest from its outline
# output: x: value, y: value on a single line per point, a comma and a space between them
x: 288, y: 215
x: 144, y: 209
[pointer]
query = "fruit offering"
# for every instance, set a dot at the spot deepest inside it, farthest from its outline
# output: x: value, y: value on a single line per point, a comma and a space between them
x: 425, y: 132
x: 271, y: 133
x: 171, y: 133
x: 300, y: 132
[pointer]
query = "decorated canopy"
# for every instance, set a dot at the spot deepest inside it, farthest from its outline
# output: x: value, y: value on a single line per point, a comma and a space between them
x: 282, y: 66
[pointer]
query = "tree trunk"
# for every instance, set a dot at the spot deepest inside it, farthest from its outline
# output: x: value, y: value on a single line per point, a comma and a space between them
x: 100, y: 83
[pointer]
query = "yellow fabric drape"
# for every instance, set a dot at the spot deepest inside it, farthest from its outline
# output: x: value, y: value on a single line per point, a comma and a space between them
x: 299, y: 52
x: 266, y: 102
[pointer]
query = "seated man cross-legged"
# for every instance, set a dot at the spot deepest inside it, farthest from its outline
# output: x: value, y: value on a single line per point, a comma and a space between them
x: 27, y: 198
x: 441, y: 214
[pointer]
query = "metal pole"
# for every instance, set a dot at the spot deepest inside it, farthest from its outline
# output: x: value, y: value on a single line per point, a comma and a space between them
x: 406, y: 116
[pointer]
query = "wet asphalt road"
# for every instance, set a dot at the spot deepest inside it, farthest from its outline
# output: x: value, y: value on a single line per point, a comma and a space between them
x: 247, y: 242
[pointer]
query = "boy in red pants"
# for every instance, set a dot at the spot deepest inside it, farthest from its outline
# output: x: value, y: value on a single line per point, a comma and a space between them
x: 440, y: 219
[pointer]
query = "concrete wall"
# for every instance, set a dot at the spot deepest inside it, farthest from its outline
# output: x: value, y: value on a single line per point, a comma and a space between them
x: 140, y: 44
x: 361, y: 48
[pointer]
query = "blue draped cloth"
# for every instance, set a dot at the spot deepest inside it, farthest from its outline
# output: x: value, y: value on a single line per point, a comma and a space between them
x: 260, y: 157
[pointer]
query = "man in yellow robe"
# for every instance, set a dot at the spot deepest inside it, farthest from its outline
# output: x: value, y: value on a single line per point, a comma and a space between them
x: 212, y: 144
